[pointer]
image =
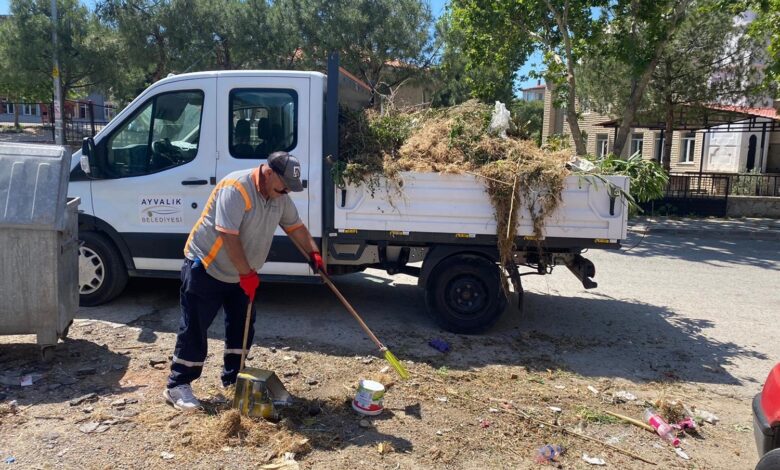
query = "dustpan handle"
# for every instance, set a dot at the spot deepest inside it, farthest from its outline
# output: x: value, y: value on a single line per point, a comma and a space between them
x: 246, y: 333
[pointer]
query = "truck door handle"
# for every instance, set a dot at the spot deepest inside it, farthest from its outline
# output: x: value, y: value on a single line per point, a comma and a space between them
x: 194, y: 182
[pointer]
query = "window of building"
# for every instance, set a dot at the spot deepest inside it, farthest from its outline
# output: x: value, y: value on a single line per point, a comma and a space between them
x: 29, y: 109
x: 686, y: 147
x: 83, y: 110
x: 162, y: 134
x: 108, y: 113
x: 8, y: 108
x: 659, y: 146
x: 262, y: 121
x: 602, y: 145
x: 637, y: 142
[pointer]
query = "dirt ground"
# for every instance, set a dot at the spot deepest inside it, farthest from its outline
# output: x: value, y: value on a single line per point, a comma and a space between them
x: 444, y: 417
x: 487, y: 403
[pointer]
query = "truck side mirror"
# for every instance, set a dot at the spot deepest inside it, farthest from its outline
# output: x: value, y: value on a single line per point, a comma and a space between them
x: 88, y: 160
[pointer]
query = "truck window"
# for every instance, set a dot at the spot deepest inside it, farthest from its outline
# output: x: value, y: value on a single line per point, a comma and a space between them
x: 262, y: 121
x: 162, y: 134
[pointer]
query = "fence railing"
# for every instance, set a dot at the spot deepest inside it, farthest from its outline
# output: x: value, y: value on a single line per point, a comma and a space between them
x: 723, y: 184
x: 755, y: 185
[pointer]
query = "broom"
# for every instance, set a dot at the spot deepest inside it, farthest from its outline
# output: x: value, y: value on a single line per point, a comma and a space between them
x: 389, y: 356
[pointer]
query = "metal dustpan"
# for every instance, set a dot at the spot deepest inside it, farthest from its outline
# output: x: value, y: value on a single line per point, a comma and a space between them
x: 260, y: 394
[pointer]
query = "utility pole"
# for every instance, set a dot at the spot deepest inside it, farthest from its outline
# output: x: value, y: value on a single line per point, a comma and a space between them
x: 59, y: 135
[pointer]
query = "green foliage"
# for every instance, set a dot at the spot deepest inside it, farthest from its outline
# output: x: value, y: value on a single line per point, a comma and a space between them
x: 460, y: 78
x: 368, y: 33
x: 366, y: 139
x: 595, y: 416
x: 765, y: 29
x: 527, y: 119
x: 648, y: 179
x: 84, y: 49
x: 557, y: 142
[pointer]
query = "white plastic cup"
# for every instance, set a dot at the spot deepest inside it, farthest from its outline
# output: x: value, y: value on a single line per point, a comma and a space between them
x: 368, y: 400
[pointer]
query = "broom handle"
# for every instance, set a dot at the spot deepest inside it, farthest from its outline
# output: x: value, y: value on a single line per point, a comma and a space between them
x: 344, y: 301
x: 352, y: 311
x: 246, y: 333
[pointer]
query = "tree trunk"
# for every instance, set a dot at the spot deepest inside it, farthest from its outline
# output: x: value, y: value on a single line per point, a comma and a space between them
x: 638, y: 90
x: 571, y: 108
x: 629, y: 114
x: 16, y: 115
x: 666, y: 154
x: 574, y: 125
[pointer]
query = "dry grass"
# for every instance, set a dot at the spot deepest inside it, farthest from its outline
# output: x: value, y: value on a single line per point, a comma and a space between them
x: 229, y: 428
x: 517, y: 173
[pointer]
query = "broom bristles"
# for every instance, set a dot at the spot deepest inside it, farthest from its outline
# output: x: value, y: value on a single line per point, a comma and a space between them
x: 402, y: 372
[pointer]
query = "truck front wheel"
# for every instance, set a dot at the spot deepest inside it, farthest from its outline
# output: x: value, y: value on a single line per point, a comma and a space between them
x: 102, y: 274
x: 464, y: 294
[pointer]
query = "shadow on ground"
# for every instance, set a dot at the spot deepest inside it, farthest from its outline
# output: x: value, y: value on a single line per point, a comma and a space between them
x: 587, y: 334
x: 80, y: 367
x: 708, y: 250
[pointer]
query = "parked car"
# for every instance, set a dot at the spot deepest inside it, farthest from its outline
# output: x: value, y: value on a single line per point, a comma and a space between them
x: 766, y: 422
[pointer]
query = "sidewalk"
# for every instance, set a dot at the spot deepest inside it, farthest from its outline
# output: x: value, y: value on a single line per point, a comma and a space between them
x: 742, y: 229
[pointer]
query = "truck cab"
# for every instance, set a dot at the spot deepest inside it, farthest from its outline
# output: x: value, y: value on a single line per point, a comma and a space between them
x: 156, y: 163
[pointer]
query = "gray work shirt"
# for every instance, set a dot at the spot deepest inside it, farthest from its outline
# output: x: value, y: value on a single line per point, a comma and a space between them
x: 237, y: 207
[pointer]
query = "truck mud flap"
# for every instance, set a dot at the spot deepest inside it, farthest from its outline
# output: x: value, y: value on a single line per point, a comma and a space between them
x: 583, y: 269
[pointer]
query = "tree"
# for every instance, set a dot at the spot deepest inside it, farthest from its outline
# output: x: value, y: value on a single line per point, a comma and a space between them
x: 384, y: 42
x: 528, y: 117
x: 505, y: 32
x: 458, y: 78
x: 707, y: 60
x: 765, y: 29
x: 83, y: 47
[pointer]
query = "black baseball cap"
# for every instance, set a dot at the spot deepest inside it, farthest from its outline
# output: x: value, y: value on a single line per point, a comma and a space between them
x: 288, y: 168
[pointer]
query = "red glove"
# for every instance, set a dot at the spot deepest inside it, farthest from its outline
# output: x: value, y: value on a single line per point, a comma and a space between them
x: 249, y: 282
x: 316, y: 261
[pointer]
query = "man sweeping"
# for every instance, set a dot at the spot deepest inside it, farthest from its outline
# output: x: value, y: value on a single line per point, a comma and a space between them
x: 226, y: 248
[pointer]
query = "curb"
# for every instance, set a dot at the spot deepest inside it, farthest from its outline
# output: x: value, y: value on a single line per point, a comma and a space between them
x: 768, y: 234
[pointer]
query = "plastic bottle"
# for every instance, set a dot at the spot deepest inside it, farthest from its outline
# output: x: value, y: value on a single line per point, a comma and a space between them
x: 548, y: 453
x: 661, y: 427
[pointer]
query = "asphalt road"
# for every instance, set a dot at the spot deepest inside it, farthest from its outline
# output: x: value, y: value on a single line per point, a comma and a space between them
x: 673, y: 308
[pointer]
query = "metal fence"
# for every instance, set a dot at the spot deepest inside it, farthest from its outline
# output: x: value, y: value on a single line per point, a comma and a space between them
x: 707, y: 194
x: 692, y: 194
x: 83, y: 119
x: 750, y: 184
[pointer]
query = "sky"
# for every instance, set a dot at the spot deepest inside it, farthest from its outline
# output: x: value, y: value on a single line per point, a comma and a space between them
x: 437, y: 8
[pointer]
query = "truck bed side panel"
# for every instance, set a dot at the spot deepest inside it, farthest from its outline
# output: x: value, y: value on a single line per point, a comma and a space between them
x: 446, y: 203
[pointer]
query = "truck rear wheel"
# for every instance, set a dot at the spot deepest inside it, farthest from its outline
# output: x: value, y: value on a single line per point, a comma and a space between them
x: 102, y: 274
x: 464, y: 294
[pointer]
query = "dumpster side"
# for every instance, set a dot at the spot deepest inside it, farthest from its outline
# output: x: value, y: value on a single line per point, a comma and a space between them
x: 38, y: 243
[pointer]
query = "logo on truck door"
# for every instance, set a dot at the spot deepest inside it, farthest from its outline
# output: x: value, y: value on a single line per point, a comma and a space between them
x: 161, y: 210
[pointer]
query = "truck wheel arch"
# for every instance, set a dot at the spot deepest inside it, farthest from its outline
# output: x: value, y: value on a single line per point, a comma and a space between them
x: 439, y: 253
x: 89, y: 223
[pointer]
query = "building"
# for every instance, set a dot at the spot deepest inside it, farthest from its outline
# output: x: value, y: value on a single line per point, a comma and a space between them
x: 534, y: 93
x: 731, y: 139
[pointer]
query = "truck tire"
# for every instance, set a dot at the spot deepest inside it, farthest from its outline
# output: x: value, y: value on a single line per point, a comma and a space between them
x: 102, y: 274
x: 464, y: 294
x: 770, y: 461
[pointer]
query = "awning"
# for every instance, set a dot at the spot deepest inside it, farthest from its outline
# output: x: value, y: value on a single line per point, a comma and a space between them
x: 690, y: 118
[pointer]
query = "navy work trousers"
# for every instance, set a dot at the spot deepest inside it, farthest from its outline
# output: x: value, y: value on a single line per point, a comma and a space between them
x: 201, y: 298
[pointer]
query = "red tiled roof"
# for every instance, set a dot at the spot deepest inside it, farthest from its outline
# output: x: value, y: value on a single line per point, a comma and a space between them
x: 769, y: 113
x: 537, y: 87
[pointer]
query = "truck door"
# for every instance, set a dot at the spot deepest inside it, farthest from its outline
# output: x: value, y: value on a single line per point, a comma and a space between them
x: 160, y: 161
x: 257, y: 116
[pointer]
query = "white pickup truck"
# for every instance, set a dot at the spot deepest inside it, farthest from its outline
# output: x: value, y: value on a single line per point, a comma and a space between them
x: 144, y: 179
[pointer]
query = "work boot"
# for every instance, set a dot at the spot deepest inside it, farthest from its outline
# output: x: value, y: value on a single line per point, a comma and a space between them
x: 181, y: 398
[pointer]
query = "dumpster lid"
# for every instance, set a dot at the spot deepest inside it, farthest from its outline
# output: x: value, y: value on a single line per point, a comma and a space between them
x: 33, y: 186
